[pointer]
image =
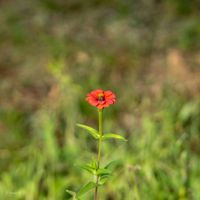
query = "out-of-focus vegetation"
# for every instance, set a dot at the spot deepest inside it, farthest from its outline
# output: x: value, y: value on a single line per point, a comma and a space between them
x: 53, y: 52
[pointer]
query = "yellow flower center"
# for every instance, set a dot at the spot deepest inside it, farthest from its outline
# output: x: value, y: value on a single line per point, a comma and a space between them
x: 101, y: 97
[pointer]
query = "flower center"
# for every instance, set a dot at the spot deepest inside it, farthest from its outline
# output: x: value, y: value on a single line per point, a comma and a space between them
x: 101, y: 97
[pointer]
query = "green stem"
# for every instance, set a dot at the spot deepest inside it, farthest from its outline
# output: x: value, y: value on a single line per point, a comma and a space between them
x: 187, y: 165
x: 100, y: 112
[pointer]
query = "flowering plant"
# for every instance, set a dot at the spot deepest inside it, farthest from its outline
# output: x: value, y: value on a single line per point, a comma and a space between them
x: 100, y: 99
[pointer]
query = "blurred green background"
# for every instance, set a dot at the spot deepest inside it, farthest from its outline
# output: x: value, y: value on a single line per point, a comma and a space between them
x: 53, y: 52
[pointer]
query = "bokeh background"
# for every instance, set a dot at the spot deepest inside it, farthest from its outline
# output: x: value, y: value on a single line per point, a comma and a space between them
x: 53, y: 52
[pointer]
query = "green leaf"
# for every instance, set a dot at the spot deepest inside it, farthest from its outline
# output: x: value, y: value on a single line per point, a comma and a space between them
x: 89, y: 186
x: 113, y: 164
x: 72, y: 193
x: 91, y: 130
x: 113, y: 136
x: 103, y: 179
x: 103, y: 171
x: 94, y: 164
x: 89, y: 168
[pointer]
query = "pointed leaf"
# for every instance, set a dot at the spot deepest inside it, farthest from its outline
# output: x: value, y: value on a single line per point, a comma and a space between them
x: 86, y: 188
x: 72, y: 193
x: 103, y: 171
x: 113, y: 136
x: 89, y: 168
x: 103, y: 179
x: 113, y: 164
x: 94, y: 164
x: 91, y: 130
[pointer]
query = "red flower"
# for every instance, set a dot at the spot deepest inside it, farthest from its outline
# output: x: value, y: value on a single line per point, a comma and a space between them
x: 101, y: 99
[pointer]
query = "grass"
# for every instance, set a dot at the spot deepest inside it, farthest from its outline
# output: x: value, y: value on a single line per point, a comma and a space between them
x: 52, y: 56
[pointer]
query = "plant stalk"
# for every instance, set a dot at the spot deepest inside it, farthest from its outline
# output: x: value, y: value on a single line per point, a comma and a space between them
x: 100, y: 113
x: 187, y: 166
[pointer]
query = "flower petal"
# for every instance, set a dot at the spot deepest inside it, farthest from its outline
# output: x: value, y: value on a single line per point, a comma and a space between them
x: 109, y: 98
